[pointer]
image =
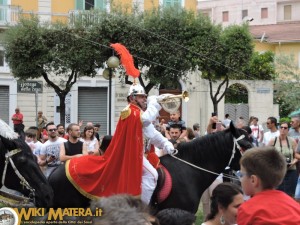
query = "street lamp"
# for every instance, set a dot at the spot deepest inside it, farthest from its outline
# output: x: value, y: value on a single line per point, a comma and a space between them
x: 112, y: 63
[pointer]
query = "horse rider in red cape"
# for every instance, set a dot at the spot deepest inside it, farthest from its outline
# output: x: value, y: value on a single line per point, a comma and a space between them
x: 145, y: 111
x: 124, y: 169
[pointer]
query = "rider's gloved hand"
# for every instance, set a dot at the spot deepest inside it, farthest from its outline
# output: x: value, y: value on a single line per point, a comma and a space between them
x: 169, y: 148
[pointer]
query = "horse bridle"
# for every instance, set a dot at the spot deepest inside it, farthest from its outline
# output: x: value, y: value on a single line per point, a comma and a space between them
x: 235, y: 145
x: 23, y: 181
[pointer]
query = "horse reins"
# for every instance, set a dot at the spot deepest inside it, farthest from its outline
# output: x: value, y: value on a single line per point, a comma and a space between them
x: 235, y: 145
x: 23, y: 182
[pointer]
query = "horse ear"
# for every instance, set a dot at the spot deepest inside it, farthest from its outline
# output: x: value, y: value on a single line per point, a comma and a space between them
x: 8, y: 144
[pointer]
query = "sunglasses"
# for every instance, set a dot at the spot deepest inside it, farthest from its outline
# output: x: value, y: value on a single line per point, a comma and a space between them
x: 52, y: 130
x: 284, y: 128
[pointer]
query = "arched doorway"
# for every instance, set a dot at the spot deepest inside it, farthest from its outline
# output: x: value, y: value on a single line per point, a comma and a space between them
x: 236, y: 102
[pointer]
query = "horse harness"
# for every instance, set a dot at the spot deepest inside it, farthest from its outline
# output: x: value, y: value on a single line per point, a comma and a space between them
x: 235, y: 145
x: 23, y: 181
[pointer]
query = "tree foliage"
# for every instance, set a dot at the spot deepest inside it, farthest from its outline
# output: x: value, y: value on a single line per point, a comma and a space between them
x: 55, y: 52
x: 287, y: 84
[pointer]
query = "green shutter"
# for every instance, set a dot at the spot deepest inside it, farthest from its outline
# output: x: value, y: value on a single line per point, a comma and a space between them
x: 79, y: 4
x: 172, y: 2
x: 100, y: 4
x: 3, y: 10
x: 3, y: 2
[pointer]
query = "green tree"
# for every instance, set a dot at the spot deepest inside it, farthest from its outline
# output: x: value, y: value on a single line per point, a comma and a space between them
x: 287, y: 84
x: 54, y: 52
x: 261, y: 66
x: 232, y: 51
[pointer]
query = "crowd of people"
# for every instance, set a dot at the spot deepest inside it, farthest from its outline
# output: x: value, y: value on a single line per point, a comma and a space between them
x: 268, y: 171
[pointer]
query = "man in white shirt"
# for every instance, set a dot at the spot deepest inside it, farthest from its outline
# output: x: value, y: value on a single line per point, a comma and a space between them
x: 50, y: 151
x: 257, y: 132
x: 273, y: 131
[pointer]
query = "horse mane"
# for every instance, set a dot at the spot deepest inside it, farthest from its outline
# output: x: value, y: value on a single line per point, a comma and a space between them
x: 210, y: 146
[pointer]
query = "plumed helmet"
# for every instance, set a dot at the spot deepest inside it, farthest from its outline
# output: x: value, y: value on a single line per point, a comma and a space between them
x: 136, y: 89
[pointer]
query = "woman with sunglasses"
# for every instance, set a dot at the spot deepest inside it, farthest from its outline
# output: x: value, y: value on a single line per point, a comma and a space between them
x: 287, y: 147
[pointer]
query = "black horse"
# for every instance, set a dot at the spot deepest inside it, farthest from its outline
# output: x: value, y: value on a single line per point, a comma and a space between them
x: 38, y: 188
x: 212, y: 152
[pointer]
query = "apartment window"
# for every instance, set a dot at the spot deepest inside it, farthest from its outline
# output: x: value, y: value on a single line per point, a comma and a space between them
x: 287, y: 12
x: 90, y: 4
x: 244, y: 13
x: 264, y: 13
x: 225, y: 16
x: 172, y: 2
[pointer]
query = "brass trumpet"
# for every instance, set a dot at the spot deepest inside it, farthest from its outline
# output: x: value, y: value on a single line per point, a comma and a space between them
x: 171, y: 103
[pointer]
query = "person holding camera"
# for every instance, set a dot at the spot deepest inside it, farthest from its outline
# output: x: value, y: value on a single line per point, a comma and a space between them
x: 287, y: 147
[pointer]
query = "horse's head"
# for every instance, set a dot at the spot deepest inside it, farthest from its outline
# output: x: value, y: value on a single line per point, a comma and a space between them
x: 242, y: 142
x: 20, y: 154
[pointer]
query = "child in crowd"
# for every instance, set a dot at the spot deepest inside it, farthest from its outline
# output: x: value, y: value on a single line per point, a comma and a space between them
x: 262, y: 170
x: 178, y: 122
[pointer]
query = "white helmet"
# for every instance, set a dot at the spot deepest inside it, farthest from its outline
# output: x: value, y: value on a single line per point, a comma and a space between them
x: 136, y: 89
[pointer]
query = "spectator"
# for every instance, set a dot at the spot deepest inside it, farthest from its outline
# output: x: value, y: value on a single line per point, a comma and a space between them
x: 17, y: 119
x: 257, y: 132
x: 287, y: 147
x: 175, y: 120
x: 61, y: 131
x: 214, y: 121
x: 41, y: 122
x: 262, y: 170
x: 50, y: 150
x: 89, y: 140
x: 226, y: 121
x: 240, y: 122
x: 97, y: 129
x: 273, y: 131
x: 174, y: 132
x: 196, y: 128
x: 189, y: 135
x: 104, y: 144
x: 122, y: 210
x: 44, y: 135
x: 295, y: 133
x: 225, y: 201
x: 31, y: 140
x: 73, y: 147
x: 173, y: 216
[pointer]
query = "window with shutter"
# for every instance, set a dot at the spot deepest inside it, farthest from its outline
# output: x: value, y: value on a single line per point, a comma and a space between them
x: 287, y: 12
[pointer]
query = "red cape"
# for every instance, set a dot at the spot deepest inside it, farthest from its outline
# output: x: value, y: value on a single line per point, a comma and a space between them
x: 119, y: 170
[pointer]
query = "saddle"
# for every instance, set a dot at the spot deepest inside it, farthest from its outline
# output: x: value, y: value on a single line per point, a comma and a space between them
x: 163, y: 187
x: 164, y: 182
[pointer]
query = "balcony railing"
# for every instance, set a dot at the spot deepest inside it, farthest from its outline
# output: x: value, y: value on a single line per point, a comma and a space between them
x: 9, y: 15
x: 85, y: 17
